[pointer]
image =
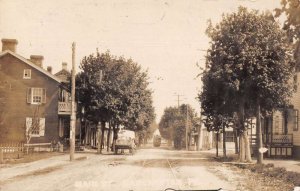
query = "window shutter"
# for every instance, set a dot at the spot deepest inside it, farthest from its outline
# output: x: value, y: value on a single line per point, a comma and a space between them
x: 295, y: 120
x: 42, y: 127
x: 29, y: 95
x: 28, y: 124
x: 44, y: 95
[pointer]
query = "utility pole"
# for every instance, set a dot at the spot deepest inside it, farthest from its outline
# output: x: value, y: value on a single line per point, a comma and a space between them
x: 73, y: 112
x: 199, y: 141
x: 101, y: 128
x: 178, y: 99
x: 186, y: 129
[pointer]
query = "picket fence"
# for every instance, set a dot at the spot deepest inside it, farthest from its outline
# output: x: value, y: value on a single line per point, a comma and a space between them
x: 17, y: 150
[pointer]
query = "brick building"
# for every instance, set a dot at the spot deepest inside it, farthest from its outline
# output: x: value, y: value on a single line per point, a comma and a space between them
x: 29, y: 92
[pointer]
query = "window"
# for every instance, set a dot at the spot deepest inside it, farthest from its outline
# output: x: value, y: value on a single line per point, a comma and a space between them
x: 295, y: 120
x: 35, y: 127
x: 36, y: 95
x: 295, y: 83
x: 276, y: 123
x: 27, y: 74
x: 64, y: 96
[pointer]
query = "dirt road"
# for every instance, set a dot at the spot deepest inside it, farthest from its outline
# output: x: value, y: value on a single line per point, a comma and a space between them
x: 148, y: 169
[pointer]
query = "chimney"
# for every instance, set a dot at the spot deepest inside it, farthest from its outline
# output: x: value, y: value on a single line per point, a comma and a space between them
x: 49, y: 69
x: 64, y: 66
x: 9, y: 44
x: 37, y: 60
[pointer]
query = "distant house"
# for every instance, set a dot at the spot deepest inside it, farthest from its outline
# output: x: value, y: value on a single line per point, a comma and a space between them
x: 281, y: 133
x: 64, y: 74
x: 64, y: 104
x: 28, y: 92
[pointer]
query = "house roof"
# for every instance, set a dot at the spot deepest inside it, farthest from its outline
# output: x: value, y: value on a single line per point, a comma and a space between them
x: 63, y: 72
x: 31, y: 64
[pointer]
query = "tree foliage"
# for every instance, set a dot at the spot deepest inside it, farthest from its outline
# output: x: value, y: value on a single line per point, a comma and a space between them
x: 172, y: 125
x: 113, y: 89
x: 249, y: 62
x: 291, y: 9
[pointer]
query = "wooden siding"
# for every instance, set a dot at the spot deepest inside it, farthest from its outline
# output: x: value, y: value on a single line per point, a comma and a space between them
x: 295, y: 101
x: 13, y: 90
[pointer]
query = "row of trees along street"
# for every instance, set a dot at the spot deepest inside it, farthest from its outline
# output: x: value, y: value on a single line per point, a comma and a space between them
x: 114, y: 91
x: 175, y: 122
x: 248, y: 70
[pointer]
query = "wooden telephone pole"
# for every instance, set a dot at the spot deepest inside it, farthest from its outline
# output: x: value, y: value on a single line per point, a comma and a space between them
x: 73, y: 112
x: 186, y: 128
x: 199, y: 130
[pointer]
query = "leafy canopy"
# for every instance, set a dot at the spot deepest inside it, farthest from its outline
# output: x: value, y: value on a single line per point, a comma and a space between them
x: 120, y: 95
x: 249, y: 62
x: 173, y: 122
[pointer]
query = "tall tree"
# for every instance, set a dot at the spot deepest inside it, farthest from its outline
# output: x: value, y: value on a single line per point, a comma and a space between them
x: 166, y: 123
x: 120, y: 97
x: 174, y: 123
x: 251, y: 58
x: 217, y: 105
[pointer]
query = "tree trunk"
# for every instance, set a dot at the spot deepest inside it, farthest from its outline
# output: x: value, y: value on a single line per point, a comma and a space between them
x: 98, y: 139
x: 115, y: 136
x: 236, y: 144
x: 242, y: 150
x: 102, y: 135
x: 247, y: 146
x: 199, y: 140
x: 113, y: 140
x: 241, y: 126
x: 217, y: 144
x: 224, y: 141
x: 245, y: 153
x: 85, y: 134
x: 190, y: 140
x: 108, y: 137
x: 258, y: 135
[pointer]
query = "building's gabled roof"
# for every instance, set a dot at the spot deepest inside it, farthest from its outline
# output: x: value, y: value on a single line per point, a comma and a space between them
x: 63, y: 75
x: 31, y: 64
x: 63, y: 72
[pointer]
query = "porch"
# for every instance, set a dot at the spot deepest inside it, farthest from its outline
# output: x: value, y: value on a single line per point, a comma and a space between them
x: 279, y: 145
x: 64, y: 108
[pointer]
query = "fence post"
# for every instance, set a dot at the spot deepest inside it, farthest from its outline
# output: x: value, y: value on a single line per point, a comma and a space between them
x: 1, y: 156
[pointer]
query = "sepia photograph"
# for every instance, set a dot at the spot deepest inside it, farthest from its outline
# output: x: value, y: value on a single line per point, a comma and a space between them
x: 149, y: 95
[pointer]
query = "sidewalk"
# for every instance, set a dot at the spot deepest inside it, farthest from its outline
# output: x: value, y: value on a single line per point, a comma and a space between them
x: 288, y: 164
x: 10, y: 171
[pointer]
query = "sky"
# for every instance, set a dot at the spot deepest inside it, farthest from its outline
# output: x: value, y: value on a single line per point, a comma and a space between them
x: 167, y: 38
